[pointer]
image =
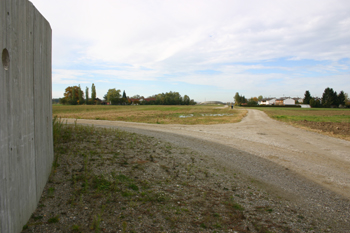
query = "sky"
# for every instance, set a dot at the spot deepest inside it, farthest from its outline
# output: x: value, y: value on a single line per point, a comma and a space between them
x: 208, y: 50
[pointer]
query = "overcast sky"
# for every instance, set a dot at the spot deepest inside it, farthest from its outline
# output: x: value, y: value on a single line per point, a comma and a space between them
x: 208, y: 50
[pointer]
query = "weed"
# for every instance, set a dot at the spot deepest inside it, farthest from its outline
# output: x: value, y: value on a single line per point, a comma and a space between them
x: 54, y: 219
x: 76, y: 228
x: 100, y: 183
x: 96, y: 223
x: 124, y: 226
x: 37, y: 217
x: 134, y: 187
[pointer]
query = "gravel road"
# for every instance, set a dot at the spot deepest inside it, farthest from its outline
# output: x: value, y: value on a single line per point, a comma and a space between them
x: 306, y: 168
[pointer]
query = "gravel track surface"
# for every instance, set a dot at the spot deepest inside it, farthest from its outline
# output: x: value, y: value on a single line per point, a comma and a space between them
x: 308, y: 169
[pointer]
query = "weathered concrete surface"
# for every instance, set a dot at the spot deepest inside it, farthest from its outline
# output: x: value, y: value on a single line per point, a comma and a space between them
x: 26, y: 149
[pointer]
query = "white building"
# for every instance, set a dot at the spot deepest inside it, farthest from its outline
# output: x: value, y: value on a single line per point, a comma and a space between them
x: 267, y: 101
x: 289, y: 101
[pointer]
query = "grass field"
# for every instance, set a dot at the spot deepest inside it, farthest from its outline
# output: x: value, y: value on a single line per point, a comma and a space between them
x: 329, y: 121
x: 308, y: 114
x: 155, y: 114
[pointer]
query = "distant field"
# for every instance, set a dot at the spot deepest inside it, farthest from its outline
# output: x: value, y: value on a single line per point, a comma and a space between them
x: 156, y: 114
x: 308, y: 114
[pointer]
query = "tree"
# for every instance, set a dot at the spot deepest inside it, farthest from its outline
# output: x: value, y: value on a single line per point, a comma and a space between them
x: 63, y: 100
x: 124, y: 99
x: 113, y: 96
x: 307, y: 97
x: 136, y: 97
x: 74, y: 98
x: 71, y: 94
x: 341, y: 98
x: 186, y: 100
x: 80, y: 94
x: 315, y: 103
x: 260, y: 97
x: 329, y: 98
x: 93, y: 93
x: 87, y: 95
x: 239, y: 99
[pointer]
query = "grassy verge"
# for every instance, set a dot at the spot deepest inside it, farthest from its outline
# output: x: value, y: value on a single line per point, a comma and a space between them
x: 154, y: 114
x: 107, y: 180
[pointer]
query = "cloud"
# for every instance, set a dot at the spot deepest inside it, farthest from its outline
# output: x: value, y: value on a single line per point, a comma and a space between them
x: 173, y: 40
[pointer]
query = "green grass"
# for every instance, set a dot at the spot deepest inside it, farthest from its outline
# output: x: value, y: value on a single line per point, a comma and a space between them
x: 313, y: 114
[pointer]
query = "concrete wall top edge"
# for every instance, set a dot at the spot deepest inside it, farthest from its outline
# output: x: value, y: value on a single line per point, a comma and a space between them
x: 36, y: 9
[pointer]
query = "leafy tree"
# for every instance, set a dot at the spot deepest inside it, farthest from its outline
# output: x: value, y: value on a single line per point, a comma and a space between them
x: 87, y: 95
x: 169, y: 98
x: 80, y: 94
x: 63, y: 100
x: 347, y: 100
x: 260, y: 97
x: 253, y: 101
x: 71, y: 94
x: 74, y: 98
x: 307, y: 97
x: 136, y: 97
x: 113, y: 96
x: 186, y: 100
x: 93, y: 93
x: 239, y: 99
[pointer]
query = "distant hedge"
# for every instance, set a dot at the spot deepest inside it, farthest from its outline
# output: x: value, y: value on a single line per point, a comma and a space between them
x: 273, y: 106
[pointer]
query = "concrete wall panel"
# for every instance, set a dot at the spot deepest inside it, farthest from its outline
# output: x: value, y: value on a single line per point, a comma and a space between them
x: 25, y: 117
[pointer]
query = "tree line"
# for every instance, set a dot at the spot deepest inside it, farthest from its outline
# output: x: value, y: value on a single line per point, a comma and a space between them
x: 330, y: 99
x: 241, y: 100
x: 170, y: 98
x: 73, y: 95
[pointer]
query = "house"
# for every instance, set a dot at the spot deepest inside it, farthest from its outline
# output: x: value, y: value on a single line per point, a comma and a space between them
x: 134, y: 101
x: 298, y: 100
x: 270, y: 101
x: 289, y: 101
x: 279, y: 102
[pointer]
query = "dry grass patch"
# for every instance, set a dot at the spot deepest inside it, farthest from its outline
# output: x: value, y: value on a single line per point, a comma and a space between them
x: 188, y: 115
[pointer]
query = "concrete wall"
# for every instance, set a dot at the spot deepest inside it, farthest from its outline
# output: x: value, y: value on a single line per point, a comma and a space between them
x: 26, y: 149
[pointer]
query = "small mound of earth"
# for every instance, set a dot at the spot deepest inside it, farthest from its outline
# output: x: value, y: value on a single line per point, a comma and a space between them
x: 340, y: 128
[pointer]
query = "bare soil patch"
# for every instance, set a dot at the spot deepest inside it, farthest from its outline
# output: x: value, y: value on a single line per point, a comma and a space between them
x: 336, y: 128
